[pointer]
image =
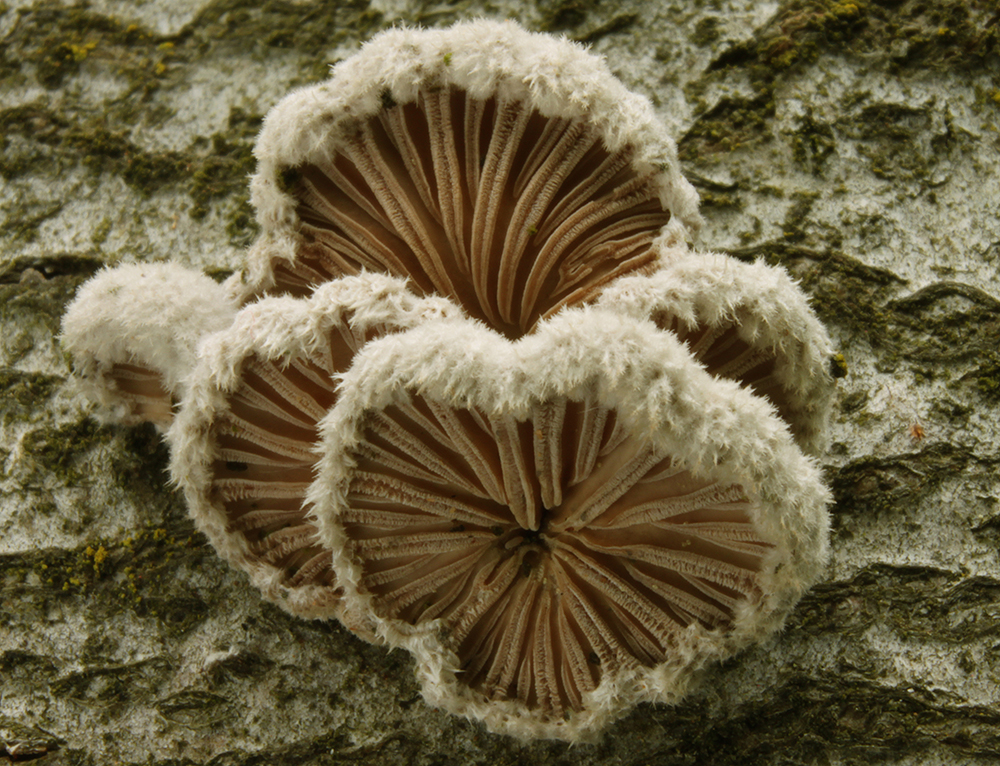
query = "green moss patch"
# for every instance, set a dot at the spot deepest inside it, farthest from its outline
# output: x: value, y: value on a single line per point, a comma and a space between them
x: 906, y: 36
x: 24, y: 219
x: 796, y: 34
x: 947, y: 321
x: 24, y: 394
x: 898, y: 38
x: 889, y: 137
x: 279, y: 24
x: 215, y: 168
x: 844, y: 290
x: 950, y: 324
x: 52, y: 42
x: 194, y: 709
x: 56, y: 41
x: 114, y: 684
x: 808, y: 717
x: 944, y: 328
x: 135, y: 572
x: 71, y: 454
x: 812, y: 143
x: 63, y: 450
x: 915, y: 602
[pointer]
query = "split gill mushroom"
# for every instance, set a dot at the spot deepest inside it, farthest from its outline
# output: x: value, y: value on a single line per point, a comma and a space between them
x: 243, y: 446
x: 563, y: 526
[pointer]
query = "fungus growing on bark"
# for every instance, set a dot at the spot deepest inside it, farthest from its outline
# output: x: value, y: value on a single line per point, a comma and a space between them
x: 134, y: 331
x: 493, y: 410
x: 562, y: 527
x: 506, y: 170
x: 243, y: 445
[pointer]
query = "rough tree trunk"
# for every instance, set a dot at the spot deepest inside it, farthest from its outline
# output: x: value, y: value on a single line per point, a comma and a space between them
x: 855, y: 143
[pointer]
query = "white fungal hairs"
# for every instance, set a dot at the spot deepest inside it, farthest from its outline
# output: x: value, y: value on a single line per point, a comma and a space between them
x: 134, y: 332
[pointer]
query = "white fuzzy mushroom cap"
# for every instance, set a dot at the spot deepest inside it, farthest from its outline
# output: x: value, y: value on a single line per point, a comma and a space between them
x: 484, y: 60
x: 138, y: 326
x: 745, y: 322
x: 393, y: 509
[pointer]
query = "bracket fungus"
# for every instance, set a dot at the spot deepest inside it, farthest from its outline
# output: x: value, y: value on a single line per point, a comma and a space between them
x: 474, y: 396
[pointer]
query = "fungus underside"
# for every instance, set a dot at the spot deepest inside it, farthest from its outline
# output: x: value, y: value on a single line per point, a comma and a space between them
x: 554, y: 549
x: 265, y: 460
x: 265, y: 441
x: 725, y: 354
x: 510, y: 213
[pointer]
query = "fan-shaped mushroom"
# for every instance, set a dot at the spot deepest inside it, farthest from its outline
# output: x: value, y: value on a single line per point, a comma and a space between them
x: 561, y: 527
x: 243, y: 446
x: 744, y: 322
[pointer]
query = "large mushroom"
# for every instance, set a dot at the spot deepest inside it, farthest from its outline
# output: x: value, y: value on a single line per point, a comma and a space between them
x: 557, y: 527
x: 562, y: 526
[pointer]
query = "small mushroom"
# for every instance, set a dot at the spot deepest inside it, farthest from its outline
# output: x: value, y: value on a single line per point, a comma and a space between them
x: 508, y: 171
x: 745, y: 322
x: 134, y: 331
x: 243, y: 445
x: 564, y: 526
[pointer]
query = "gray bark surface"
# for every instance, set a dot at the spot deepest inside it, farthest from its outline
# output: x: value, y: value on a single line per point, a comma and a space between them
x: 857, y: 144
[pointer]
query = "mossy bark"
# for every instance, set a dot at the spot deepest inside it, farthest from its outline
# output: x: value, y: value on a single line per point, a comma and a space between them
x: 854, y: 143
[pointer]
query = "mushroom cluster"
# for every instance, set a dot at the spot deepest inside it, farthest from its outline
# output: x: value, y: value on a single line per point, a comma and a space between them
x: 474, y: 396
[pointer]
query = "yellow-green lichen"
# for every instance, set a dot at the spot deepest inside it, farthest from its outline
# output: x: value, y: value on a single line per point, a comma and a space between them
x: 56, y: 42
